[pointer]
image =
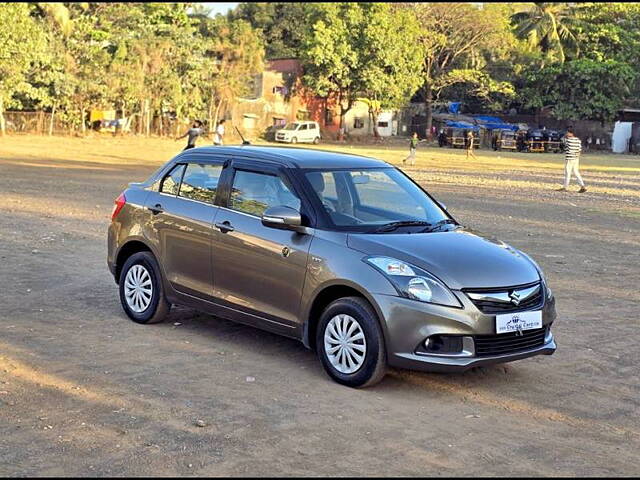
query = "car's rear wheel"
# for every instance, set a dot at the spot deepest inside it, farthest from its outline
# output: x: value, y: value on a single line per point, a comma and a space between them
x: 141, y: 292
x: 350, y: 344
x: 316, y: 140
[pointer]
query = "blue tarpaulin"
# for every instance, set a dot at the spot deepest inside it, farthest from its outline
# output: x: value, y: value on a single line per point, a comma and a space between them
x: 487, y: 119
x: 494, y: 123
x: 454, y: 107
x: 465, y: 125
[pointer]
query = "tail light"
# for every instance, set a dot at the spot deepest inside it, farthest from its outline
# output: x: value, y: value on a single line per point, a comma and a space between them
x: 119, y: 203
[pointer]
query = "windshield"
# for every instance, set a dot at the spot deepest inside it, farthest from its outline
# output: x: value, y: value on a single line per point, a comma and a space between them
x: 291, y: 126
x: 364, y: 200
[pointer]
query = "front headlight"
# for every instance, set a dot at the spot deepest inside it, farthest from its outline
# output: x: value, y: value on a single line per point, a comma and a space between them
x: 413, y: 282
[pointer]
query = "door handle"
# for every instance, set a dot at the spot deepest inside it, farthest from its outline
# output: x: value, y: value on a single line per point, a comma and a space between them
x: 224, y: 227
x: 156, y: 209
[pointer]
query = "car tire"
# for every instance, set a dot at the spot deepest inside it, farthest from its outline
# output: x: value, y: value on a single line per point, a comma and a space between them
x: 316, y: 140
x: 352, y: 367
x: 150, y: 304
x: 294, y: 140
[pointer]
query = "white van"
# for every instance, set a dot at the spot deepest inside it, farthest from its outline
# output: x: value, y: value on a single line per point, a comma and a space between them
x: 299, y: 132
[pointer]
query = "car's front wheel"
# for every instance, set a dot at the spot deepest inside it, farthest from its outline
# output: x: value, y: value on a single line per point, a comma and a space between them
x: 294, y: 140
x: 350, y: 344
x: 141, y: 293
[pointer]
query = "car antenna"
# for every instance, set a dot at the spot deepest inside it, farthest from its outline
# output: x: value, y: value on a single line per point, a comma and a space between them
x: 244, y: 142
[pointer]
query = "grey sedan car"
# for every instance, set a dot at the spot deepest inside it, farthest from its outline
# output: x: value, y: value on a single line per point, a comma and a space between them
x: 344, y: 253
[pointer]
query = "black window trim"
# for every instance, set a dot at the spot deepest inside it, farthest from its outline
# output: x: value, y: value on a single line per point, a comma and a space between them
x: 266, y: 167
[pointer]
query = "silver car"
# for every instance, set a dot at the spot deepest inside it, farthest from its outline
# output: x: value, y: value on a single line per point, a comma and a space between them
x: 345, y: 253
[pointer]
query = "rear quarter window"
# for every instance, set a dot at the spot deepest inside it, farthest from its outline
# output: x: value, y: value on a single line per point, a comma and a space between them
x: 200, y: 182
x: 171, y: 182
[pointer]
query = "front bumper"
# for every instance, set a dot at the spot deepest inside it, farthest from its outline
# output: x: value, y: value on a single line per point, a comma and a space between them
x: 408, y: 323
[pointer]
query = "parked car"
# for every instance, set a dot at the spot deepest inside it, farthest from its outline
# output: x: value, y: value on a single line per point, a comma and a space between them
x: 503, y: 140
x: 553, y: 141
x: 299, y: 132
x: 344, y: 253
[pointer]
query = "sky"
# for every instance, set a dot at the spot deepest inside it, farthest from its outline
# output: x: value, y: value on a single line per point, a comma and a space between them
x: 219, y: 7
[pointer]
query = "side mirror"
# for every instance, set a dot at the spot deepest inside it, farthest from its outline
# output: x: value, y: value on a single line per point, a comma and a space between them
x: 283, y: 218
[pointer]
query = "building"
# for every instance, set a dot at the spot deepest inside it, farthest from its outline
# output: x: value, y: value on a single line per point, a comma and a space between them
x: 277, y: 97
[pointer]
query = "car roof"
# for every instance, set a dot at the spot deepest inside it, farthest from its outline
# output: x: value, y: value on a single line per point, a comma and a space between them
x: 293, y: 157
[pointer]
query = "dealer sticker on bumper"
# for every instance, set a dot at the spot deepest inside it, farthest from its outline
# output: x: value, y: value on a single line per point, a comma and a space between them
x: 514, y: 322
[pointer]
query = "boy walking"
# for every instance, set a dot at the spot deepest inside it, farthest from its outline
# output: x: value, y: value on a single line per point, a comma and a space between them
x: 470, y: 146
x: 412, y: 150
x: 573, y: 148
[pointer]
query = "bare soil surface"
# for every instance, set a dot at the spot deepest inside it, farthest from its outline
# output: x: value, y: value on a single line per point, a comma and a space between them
x: 86, y: 392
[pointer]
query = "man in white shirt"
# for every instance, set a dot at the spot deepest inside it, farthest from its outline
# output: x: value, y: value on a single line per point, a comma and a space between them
x: 573, y: 147
x: 219, y: 133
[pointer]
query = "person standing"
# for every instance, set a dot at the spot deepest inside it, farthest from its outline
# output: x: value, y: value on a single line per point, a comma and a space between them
x: 218, y: 135
x: 193, y: 133
x: 413, y: 145
x: 573, y: 148
x: 470, y: 146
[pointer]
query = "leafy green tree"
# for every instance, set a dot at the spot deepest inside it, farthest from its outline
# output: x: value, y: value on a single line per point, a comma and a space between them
x: 391, y: 58
x: 233, y: 55
x: 283, y: 25
x: 362, y: 50
x: 453, y: 35
x: 488, y: 93
x: 550, y: 27
x: 332, y: 54
x: 580, y: 89
x: 20, y: 40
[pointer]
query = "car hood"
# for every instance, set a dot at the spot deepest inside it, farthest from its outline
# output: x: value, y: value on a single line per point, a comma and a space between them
x: 461, y: 258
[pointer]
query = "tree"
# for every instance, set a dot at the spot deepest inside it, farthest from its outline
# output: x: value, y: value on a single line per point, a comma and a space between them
x: 452, y: 34
x: 361, y: 50
x: 233, y: 54
x: 331, y: 54
x: 21, y: 40
x: 550, y: 27
x: 283, y: 26
x: 580, y: 89
x: 391, y: 59
x: 487, y: 92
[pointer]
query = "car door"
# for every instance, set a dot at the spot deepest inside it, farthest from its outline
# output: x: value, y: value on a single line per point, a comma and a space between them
x: 183, y: 213
x: 303, y: 133
x: 259, y: 270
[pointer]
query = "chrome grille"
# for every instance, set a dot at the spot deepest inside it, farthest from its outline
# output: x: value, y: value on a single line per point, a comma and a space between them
x: 505, y: 300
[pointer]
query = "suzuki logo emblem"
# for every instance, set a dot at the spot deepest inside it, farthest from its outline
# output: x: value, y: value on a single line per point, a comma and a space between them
x: 515, y: 298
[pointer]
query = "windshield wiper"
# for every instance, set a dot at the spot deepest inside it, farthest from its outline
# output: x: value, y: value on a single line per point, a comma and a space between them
x: 388, y: 227
x: 441, y: 223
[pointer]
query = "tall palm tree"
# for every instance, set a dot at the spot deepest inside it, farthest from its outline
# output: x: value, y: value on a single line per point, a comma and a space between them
x: 548, y: 26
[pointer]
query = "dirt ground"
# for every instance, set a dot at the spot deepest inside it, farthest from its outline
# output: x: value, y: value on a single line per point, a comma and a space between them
x: 86, y: 392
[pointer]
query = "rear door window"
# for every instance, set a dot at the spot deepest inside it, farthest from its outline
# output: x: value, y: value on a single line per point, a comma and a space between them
x: 171, y: 182
x: 200, y: 182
